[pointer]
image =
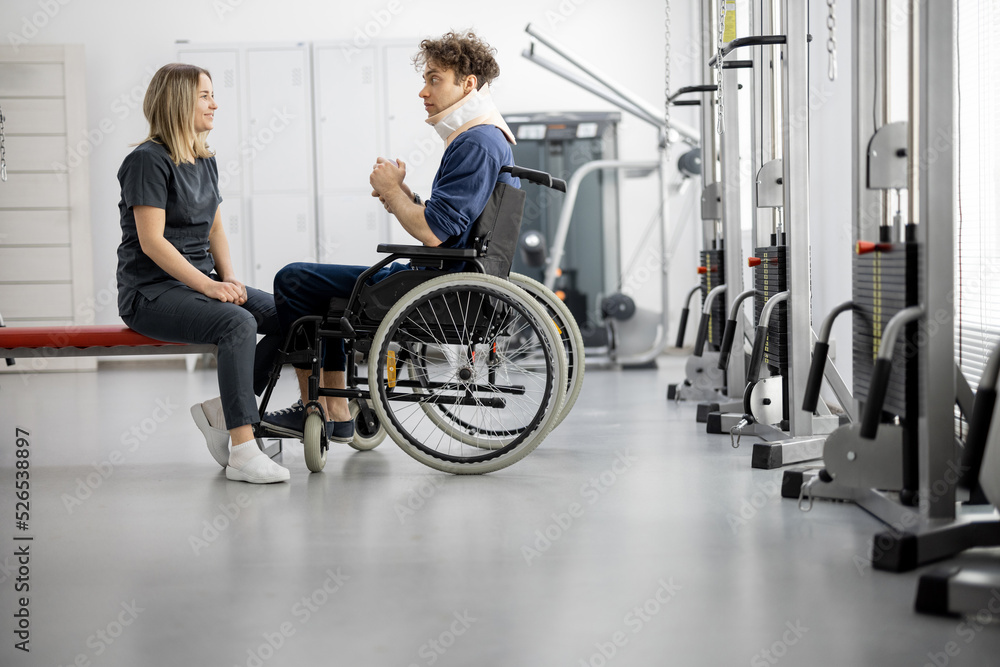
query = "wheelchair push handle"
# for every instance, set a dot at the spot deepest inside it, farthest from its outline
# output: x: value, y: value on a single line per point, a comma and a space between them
x: 537, y: 177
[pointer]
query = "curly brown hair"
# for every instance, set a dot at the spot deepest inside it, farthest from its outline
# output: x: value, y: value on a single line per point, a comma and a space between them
x: 464, y: 53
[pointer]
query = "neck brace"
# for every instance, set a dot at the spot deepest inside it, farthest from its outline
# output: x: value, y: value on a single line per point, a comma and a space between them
x: 476, y: 108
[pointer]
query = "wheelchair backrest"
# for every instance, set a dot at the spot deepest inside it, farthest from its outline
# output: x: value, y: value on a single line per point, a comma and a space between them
x: 496, y: 230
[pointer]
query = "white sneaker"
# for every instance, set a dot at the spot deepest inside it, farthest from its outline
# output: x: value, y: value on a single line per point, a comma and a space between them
x: 258, y: 470
x: 210, y: 420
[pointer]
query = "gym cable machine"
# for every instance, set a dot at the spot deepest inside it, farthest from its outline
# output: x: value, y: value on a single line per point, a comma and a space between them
x: 770, y: 402
x: 901, y: 460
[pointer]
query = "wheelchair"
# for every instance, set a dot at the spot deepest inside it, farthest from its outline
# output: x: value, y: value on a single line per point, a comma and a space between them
x: 464, y: 365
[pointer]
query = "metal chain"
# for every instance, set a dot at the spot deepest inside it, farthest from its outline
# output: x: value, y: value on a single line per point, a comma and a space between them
x: 3, y: 150
x: 720, y: 124
x: 666, y: 76
x: 831, y: 40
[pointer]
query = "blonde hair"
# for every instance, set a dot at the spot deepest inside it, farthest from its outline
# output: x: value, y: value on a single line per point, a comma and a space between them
x: 169, y: 108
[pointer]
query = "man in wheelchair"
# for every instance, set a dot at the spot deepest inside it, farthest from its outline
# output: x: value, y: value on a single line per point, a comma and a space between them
x: 458, y: 69
x: 476, y: 363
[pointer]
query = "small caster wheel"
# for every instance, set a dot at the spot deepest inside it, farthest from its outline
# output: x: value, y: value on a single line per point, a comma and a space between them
x: 366, y: 435
x: 314, y: 441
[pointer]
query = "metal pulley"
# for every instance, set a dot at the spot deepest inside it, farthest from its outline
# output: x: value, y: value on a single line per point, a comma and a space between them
x: 763, y: 400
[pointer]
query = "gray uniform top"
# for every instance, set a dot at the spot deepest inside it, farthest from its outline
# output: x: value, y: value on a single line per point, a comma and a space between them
x: 189, y: 193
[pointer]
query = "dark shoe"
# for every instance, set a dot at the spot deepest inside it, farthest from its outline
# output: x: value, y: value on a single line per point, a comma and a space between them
x: 340, y: 431
x: 289, y: 422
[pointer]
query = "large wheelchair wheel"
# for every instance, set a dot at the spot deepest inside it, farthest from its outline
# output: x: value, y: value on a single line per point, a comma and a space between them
x: 527, y: 348
x: 569, y: 334
x: 466, y: 399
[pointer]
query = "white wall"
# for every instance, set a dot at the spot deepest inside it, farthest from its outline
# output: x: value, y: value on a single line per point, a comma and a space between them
x: 126, y: 41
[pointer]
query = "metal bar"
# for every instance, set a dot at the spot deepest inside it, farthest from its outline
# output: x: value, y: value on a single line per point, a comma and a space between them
x: 687, y: 90
x: 752, y: 40
x: 437, y: 399
x: 710, y: 298
x: 964, y: 395
x: 606, y: 95
x: 732, y: 223
x: 795, y: 142
x: 770, y: 305
x: 867, y: 208
x: 687, y: 299
x: 569, y: 203
x: 840, y: 388
x: 932, y: 173
x: 891, y: 331
x: 116, y: 351
x: 603, y: 79
x: 709, y: 137
x: 772, y: 455
x: 827, y: 326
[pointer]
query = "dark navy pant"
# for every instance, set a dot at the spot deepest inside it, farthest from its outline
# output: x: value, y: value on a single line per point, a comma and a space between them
x: 305, y: 288
x: 182, y: 315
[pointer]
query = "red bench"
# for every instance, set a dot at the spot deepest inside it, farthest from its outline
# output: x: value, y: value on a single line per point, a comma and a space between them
x: 85, y: 341
x: 94, y: 340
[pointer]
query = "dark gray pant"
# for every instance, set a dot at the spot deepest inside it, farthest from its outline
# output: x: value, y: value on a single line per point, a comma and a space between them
x: 182, y: 315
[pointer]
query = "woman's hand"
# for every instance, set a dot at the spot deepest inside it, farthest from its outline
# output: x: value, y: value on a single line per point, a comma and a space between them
x: 226, y: 291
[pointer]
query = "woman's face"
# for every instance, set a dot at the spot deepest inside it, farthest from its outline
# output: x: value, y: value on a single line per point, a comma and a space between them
x: 204, y: 106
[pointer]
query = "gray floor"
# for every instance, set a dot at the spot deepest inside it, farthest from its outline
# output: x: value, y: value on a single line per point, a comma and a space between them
x: 630, y: 537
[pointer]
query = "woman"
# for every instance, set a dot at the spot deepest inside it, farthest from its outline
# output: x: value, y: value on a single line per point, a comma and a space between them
x: 175, y: 275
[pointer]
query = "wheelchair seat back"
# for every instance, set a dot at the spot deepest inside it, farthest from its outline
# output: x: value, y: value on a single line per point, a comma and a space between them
x: 496, y: 230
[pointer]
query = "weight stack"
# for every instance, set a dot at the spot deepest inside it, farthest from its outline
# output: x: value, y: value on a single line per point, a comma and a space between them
x: 770, y: 278
x: 885, y: 282
x: 713, y: 274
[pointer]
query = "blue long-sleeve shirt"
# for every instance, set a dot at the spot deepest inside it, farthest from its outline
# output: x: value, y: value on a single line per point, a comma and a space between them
x: 469, y: 170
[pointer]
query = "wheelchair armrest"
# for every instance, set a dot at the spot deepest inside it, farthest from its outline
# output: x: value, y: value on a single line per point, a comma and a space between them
x: 420, y: 251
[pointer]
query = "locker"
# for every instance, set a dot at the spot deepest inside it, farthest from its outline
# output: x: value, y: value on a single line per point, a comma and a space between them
x: 278, y: 145
x: 35, y: 116
x: 236, y: 232
x: 346, y: 104
x: 31, y: 79
x: 36, y: 265
x: 282, y: 232
x: 34, y: 227
x: 34, y: 190
x: 408, y: 136
x: 226, y: 137
x: 351, y: 228
x: 36, y: 301
x: 34, y: 153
